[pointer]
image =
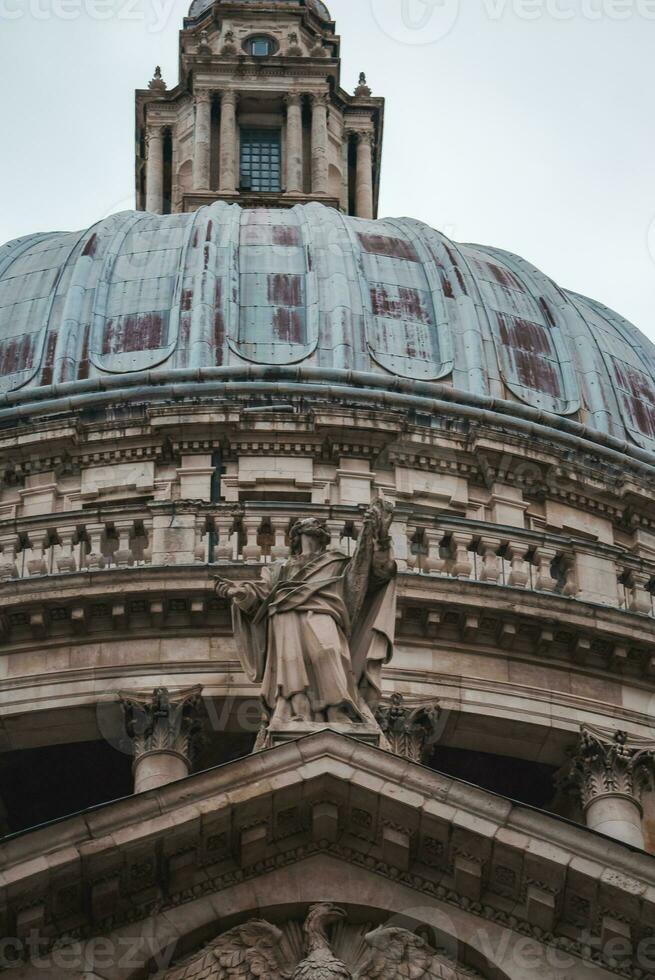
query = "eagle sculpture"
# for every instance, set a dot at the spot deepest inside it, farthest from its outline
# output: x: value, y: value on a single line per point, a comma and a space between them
x: 325, y: 949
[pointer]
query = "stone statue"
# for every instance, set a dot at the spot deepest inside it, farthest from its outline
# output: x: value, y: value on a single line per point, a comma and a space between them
x: 316, y: 630
x: 331, y: 949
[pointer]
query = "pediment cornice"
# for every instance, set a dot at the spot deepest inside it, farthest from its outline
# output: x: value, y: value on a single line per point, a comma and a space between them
x: 460, y: 845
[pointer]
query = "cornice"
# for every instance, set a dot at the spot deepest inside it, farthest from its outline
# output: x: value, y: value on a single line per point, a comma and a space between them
x: 152, y: 601
x: 451, y: 842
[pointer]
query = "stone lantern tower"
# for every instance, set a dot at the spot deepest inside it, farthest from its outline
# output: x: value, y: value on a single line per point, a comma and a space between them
x: 259, y: 116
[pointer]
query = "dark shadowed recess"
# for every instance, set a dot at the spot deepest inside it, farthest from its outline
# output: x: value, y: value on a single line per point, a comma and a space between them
x: 517, y: 779
x: 43, y: 784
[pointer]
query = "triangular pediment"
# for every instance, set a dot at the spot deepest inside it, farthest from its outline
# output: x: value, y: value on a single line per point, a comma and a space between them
x: 270, y: 825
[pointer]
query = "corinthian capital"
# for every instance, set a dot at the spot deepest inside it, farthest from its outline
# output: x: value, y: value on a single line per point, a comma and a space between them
x: 163, y: 721
x: 293, y: 99
x: 411, y: 726
x: 202, y: 96
x: 318, y: 99
x: 608, y: 763
x: 365, y: 136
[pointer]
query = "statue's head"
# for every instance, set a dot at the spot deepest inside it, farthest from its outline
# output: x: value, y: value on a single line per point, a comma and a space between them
x: 311, y: 528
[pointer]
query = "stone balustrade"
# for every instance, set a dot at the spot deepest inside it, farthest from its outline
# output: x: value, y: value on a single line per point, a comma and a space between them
x: 439, y: 546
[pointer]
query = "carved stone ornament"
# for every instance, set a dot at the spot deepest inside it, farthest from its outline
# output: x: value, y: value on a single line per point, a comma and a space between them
x: 163, y: 721
x: 608, y: 763
x: 157, y: 83
x: 410, y: 725
x: 229, y: 48
x: 324, y: 947
x: 293, y: 50
x: 204, y: 48
x: 363, y: 89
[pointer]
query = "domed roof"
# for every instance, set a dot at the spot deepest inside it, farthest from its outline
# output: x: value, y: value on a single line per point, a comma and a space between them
x: 313, y: 293
x: 199, y: 7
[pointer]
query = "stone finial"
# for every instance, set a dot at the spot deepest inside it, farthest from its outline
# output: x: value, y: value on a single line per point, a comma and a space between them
x: 157, y: 83
x: 229, y: 44
x: 162, y: 723
x: 363, y: 90
x: 204, y: 49
x: 608, y: 763
x: 293, y: 49
x: 410, y: 726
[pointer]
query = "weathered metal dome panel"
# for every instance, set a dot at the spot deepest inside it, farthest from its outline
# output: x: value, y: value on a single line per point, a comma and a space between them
x: 534, y: 360
x: 136, y: 308
x: 404, y: 308
x: 630, y: 362
x: 276, y: 315
x: 224, y: 287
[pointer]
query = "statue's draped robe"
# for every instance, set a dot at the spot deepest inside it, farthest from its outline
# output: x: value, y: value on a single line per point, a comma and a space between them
x: 319, y: 624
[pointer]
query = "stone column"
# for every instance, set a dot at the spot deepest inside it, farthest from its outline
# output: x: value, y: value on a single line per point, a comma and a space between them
x: 228, y: 141
x: 155, y: 169
x: 294, y: 154
x: 165, y: 731
x: 364, y: 180
x: 319, y: 144
x: 608, y: 774
x: 202, y: 141
x: 345, y: 189
x: 410, y: 726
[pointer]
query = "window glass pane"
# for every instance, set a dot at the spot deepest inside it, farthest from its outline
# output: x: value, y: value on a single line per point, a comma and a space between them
x: 260, y: 159
x: 260, y: 47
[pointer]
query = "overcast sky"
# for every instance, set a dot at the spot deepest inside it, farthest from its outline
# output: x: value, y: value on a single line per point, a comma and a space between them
x: 525, y: 124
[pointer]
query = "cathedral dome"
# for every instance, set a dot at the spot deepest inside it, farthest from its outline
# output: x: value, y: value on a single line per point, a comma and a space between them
x: 310, y: 296
x: 198, y: 7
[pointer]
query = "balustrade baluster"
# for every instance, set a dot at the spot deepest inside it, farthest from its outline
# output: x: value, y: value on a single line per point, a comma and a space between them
x: 434, y: 564
x: 252, y: 552
x: 640, y: 597
x: 461, y: 564
x: 543, y: 559
x: 488, y: 549
x: 519, y: 575
x: 280, y: 549
x: 8, y: 569
x: 65, y: 550
x: 37, y: 563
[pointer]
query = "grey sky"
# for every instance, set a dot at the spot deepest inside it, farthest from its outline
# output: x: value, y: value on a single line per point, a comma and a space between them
x: 521, y: 127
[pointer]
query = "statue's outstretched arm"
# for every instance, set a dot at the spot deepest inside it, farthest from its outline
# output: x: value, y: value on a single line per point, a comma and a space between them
x: 246, y: 595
